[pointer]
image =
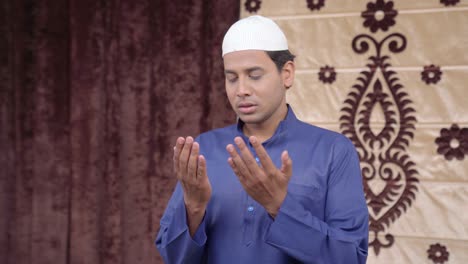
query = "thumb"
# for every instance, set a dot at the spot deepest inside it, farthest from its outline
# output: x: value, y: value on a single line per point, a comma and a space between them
x: 286, y: 164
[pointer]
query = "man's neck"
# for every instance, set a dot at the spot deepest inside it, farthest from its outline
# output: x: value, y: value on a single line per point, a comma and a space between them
x: 264, y: 131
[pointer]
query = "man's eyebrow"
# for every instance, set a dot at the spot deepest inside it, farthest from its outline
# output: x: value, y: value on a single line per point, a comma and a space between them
x: 248, y: 70
x: 256, y: 68
x: 229, y: 72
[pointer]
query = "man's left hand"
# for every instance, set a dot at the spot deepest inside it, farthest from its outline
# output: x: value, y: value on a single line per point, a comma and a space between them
x: 266, y: 184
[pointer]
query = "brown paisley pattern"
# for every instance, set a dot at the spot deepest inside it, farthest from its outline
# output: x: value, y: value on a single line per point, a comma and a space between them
x: 378, y: 96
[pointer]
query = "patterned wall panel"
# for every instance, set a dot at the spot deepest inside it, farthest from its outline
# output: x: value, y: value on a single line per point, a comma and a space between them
x: 392, y: 76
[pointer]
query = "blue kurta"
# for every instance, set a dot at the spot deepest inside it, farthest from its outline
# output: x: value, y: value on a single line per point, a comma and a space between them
x: 323, y: 219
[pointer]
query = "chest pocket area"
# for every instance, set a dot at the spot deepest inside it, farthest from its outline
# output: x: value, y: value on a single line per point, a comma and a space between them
x: 312, y: 197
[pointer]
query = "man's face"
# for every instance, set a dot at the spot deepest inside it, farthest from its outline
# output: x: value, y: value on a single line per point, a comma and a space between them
x: 255, y: 88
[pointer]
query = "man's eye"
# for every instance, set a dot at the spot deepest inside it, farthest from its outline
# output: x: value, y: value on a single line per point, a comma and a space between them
x: 231, y: 80
x: 255, y: 77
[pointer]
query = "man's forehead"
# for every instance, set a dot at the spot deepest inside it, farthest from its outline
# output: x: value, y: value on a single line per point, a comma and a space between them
x: 246, y: 60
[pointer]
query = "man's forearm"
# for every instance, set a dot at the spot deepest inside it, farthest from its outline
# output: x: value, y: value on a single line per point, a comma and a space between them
x: 194, y: 218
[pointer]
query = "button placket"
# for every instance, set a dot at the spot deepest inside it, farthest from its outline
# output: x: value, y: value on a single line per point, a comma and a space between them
x: 250, y: 209
x: 249, y: 223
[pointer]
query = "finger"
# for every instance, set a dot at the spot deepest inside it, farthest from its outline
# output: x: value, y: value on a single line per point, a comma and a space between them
x: 201, y: 169
x: 263, y: 156
x: 177, y: 149
x: 175, y: 162
x: 184, y: 156
x: 247, y: 156
x: 234, y: 168
x: 286, y: 164
x: 193, y: 162
x: 241, y: 169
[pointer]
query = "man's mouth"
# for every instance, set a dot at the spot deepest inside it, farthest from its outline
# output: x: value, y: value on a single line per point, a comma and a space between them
x: 246, y: 108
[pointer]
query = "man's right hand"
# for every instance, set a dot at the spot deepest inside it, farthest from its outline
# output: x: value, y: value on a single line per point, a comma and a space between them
x: 190, y: 168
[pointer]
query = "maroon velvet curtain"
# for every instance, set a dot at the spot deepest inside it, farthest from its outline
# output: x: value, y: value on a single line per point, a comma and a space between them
x: 93, y: 95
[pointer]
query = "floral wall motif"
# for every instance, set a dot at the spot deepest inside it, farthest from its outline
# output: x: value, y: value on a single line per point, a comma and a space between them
x: 252, y: 6
x: 438, y: 253
x: 315, y: 4
x: 327, y: 74
x: 453, y: 142
x: 431, y: 74
x: 395, y: 72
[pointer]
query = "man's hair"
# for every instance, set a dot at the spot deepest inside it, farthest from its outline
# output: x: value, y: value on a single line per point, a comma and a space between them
x: 280, y: 57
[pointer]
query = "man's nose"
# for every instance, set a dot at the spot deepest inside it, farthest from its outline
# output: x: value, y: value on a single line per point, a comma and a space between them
x: 244, y: 88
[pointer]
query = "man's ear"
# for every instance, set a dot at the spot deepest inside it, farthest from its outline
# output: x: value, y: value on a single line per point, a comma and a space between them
x: 287, y: 74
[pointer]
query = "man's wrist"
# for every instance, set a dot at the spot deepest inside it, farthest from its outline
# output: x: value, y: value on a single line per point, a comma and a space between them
x: 195, y: 209
x: 193, y: 212
x: 273, y: 209
x: 195, y: 216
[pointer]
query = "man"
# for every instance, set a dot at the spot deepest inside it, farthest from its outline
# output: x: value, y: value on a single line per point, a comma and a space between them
x: 270, y: 189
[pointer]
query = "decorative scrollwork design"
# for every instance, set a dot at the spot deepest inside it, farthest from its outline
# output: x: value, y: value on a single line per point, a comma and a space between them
x: 381, y: 150
x: 397, y: 43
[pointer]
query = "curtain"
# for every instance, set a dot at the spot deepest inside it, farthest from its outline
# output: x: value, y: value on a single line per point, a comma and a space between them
x: 93, y: 96
x: 392, y: 76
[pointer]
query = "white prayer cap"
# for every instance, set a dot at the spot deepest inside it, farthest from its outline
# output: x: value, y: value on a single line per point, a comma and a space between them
x: 254, y: 33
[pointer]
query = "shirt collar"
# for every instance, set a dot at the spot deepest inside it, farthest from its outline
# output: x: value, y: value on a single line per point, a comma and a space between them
x: 280, y: 130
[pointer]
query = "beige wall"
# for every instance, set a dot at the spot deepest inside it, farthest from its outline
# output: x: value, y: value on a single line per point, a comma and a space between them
x: 428, y: 203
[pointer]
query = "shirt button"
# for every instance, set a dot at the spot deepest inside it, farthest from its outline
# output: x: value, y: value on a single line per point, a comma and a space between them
x: 250, y: 208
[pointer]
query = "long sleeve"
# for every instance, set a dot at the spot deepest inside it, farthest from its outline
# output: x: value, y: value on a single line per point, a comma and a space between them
x: 343, y: 234
x: 173, y: 240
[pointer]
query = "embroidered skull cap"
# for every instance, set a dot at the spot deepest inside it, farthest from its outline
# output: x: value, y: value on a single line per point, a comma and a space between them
x: 254, y: 33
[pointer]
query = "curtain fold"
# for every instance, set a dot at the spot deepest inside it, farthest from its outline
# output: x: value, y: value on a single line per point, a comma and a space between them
x: 93, y: 95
